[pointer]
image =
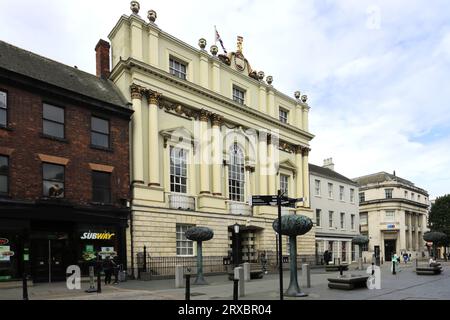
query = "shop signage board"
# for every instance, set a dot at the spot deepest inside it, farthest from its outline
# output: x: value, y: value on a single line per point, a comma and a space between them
x: 3, y: 241
x: 97, y: 236
x: 272, y: 201
x: 6, y: 253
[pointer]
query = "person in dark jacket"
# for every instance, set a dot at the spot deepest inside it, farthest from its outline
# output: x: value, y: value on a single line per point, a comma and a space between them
x: 327, y: 257
x: 108, y: 268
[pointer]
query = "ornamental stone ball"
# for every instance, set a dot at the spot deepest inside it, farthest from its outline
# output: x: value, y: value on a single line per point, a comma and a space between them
x: 304, y: 98
x: 269, y: 80
x: 360, y: 240
x: 297, y: 95
x: 261, y: 75
x: 202, y: 43
x: 293, y: 225
x: 214, y: 50
x: 199, y: 234
x: 152, y: 15
x: 135, y: 7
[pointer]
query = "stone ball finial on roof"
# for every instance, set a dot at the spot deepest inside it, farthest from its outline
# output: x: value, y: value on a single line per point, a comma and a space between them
x: 269, y: 80
x: 297, y: 95
x: 202, y: 43
x: 152, y: 16
x: 261, y: 75
x: 304, y: 98
x: 135, y: 7
x: 214, y: 50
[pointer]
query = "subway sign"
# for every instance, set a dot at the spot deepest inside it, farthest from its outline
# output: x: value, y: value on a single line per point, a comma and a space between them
x: 97, y: 236
x: 3, y: 241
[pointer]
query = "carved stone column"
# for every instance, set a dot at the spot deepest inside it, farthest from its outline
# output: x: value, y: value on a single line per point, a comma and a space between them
x: 263, y: 163
x: 306, y: 177
x: 217, y: 152
x: 136, y: 128
x: 299, y: 174
x: 153, y: 139
x: 205, y: 152
x: 271, y: 156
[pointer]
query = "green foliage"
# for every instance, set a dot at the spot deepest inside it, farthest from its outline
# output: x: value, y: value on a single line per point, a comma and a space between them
x: 439, y: 218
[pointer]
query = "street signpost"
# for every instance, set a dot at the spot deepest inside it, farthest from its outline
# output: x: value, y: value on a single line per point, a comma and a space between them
x: 279, y: 201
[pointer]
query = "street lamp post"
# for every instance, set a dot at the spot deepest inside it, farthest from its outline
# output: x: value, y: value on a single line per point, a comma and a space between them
x: 236, y: 228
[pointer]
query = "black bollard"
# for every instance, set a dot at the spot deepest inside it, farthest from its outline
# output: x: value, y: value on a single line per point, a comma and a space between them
x: 188, y: 287
x: 99, y: 282
x: 393, y: 268
x: 25, y: 287
x: 373, y: 268
x: 341, y: 270
x: 236, y: 289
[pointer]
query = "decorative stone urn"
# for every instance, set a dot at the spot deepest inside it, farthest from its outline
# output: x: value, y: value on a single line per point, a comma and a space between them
x: 261, y: 75
x: 199, y: 234
x: 214, y: 50
x: 202, y: 43
x: 135, y: 7
x: 293, y: 226
x: 436, y: 237
x: 297, y: 95
x: 304, y: 98
x: 269, y: 80
x: 151, y: 15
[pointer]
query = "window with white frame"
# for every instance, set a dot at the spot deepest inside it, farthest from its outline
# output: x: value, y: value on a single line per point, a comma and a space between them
x: 388, y: 193
x: 178, y: 170
x: 185, y: 247
x: 3, y: 109
x: 352, y: 221
x: 352, y: 195
x: 238, y: 95
x: 362, y: 197
x: 389, y: 216
x: 330, y: 219
x: 284, y: 184
x: 178, y: 68
x: 236, y: 174
x: 318, y: 217
x: 342, y: 220
x: 284, y: 114
x: 341, y: 193
x: 363, y: 218
x: 317, y: 187
x: 330, y: 190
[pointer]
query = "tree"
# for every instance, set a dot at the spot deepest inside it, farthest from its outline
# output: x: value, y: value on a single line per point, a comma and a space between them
x: 439, y: 219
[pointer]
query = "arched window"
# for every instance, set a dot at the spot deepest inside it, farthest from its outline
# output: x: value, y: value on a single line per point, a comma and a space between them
x: 236, y: 174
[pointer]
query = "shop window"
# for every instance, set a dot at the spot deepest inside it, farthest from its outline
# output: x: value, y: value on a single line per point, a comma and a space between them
x: 99, y: 132
x: 185, y: 247
x: 4, y: 175
x: 53, y: 180
x: 3, y: 109
x: 101, y: 187
x: 53, y: 121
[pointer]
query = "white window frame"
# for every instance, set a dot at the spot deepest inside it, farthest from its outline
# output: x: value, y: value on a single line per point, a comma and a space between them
x: 284, y: 185
x: 389, y: 216
x: 236, y: 94
x: 175, y: 162
x: 388, y: 193
x: 352, y: 195
x: 330, y: 219
x: 181, y: 239
x: 341, y: 193
x: 352, y: 221
x: 317, y: 187
x: 283, y: 115
x: 319, y: 218
x: 342, y: 220
x: 4, y: 108
x: 176, y: 68
x: 330, y: 190
x: 236, y: 174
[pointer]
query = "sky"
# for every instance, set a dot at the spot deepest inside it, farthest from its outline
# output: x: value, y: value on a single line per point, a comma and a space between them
x: 376, y: 72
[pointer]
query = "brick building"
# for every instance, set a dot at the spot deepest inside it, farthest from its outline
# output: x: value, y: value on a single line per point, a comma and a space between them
x: 64, y: 165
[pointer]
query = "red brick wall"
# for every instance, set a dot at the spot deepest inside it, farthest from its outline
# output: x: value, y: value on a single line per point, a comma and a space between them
x: 25, y: 122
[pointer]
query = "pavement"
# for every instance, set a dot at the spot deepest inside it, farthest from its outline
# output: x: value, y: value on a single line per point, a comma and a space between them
x: 405, y: 285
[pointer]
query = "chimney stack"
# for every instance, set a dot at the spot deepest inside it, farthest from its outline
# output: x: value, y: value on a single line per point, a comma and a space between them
x: 102, y: 59
x: 328, y: 163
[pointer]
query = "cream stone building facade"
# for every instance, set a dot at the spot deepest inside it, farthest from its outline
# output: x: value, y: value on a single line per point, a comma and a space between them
x: 208, y: 132
x: 334, y: 199
x: 394, y: 214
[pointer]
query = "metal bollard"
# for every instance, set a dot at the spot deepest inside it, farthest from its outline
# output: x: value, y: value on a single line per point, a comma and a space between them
x: 188, y: 287
x: 25, y: 287
x: 236, y: 289
x: 341, y: 270
x: 393, y: 268
x: 99, y: 282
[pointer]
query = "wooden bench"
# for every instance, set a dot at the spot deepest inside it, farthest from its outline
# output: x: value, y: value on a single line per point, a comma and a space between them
x: 348, y: 282
x: 256, y: 271
x: 433, y: 269
x: 336, y: 267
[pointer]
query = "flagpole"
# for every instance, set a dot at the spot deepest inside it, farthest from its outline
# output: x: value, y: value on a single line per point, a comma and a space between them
x: 215, y: 35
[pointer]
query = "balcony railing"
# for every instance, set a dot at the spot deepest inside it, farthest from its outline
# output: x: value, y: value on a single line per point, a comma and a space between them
x: 181, y: 202
x: 240, y: 208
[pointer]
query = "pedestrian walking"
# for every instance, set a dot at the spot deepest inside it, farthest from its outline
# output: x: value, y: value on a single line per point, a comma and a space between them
x: 108, y: 267
x: 326, y: 257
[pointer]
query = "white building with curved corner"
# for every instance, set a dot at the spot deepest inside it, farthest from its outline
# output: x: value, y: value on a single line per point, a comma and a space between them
x: 394, y: 214
x: 208, y: 132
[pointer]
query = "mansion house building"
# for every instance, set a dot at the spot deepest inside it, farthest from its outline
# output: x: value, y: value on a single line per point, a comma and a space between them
x: 207, y: 133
